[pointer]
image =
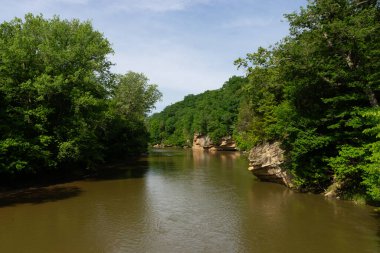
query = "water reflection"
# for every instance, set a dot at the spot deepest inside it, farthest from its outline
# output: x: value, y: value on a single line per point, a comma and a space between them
x: 124, y: 170
x: 202, y: 158
x: 185, y: 201
x: 376, y: 215
x: 300, y: 221
x: 38, y: 195
x: 187, y: 209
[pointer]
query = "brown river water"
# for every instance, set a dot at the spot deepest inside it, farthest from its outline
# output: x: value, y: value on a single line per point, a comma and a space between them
x: 182, y: 201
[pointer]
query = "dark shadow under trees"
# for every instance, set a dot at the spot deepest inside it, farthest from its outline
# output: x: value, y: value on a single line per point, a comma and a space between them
x: 38, y: 195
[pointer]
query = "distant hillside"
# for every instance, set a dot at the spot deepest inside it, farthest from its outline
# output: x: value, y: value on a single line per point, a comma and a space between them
x: 213, y: 113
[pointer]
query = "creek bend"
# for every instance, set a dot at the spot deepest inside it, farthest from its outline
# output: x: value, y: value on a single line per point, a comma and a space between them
x: 182, y: 201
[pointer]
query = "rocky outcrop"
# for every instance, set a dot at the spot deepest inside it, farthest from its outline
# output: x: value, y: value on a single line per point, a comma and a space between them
x: 226, y: 144
x: 203, y: 142
x: 333, y: 191
x: 162, y: 146
x: 265, y: 162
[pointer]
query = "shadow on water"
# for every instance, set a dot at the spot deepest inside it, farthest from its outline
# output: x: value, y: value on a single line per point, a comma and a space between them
x: 122, y: 170
x: 376, y: 215
x: 41, y: 192
x: 38, y: 195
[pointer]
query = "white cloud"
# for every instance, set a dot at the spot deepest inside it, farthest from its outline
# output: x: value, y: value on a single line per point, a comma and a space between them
x: 121, y: 5
x: 246, y: 22
x: 155, y: 5
x: 11, y: 9
x: 181, y: 53
x: 174, y: 67
x: 68, y: 1
x: 177, y: 70
x: 45, y: 3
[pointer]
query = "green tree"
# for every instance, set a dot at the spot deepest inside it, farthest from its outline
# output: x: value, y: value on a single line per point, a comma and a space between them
x: 51, y: 90
x: 331, y: 79
x: 262, y: 94
x: 60, y: 106
x: 134, y: 96
x: 210, y: 113
x: 314, y: 91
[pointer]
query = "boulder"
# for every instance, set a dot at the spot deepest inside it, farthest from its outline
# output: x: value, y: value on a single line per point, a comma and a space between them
x: 227, y: 143
x: 159, y: 146
x: 265, y: 163
x: 334, y: 190
x: 201, y: 142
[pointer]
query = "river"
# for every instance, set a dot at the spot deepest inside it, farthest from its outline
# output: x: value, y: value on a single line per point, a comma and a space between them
x: 182, y: 201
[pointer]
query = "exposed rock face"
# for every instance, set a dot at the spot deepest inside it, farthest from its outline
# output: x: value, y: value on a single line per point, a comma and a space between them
x: 332, y: 191
x: 265, y: 163
x: 227, y: 143
x: 161, y: 146
x: 203, y: 142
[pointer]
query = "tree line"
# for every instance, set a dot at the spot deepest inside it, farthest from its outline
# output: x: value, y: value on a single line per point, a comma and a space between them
x: 316, y: 91
x: 212, y: 112
x: 61, y: 107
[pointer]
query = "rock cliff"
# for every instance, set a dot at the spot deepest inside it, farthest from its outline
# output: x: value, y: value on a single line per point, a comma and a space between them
x: 265, y: 162
x: 203, y: 142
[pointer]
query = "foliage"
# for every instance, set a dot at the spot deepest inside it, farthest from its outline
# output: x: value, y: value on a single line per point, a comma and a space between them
x: 60, y: 106
x: 317, y: 91
x: 133, y: 96
x: 131, y: 99
x: 211, y: 113
x: 262, y: 94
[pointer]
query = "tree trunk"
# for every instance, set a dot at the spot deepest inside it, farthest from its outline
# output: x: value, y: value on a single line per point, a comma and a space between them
x: 371, y: 96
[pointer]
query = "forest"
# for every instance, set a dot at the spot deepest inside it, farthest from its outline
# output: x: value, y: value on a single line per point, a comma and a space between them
x: 61, y: 107
x: 212, y: 112
x: 316, y: 91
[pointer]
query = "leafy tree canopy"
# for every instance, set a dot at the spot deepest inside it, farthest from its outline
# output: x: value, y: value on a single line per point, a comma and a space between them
x: 58, y: 98
x: 211, y: 113
x: 317, y: 91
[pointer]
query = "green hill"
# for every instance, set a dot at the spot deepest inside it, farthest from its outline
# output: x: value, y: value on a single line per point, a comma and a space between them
x: 212, y: 113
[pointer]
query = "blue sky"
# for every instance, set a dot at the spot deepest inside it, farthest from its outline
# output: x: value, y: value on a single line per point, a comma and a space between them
x: 183, y: 46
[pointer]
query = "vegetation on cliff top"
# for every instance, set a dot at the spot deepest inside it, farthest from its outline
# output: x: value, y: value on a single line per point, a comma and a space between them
x: 60, y: 106
x: 212, y: 112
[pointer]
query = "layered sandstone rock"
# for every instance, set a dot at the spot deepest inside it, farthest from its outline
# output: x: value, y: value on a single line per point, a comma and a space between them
x: 265, y: 162
x: 203, y: 142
